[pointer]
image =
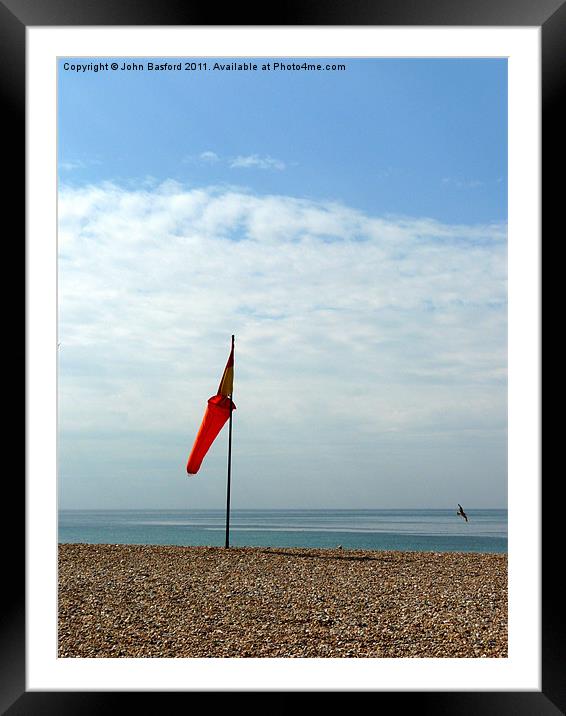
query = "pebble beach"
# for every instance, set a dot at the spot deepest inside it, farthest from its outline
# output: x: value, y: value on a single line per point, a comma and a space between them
x: 140, y: 601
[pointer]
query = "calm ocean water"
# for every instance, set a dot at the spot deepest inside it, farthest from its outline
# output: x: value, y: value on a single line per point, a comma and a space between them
x: 414, y: 530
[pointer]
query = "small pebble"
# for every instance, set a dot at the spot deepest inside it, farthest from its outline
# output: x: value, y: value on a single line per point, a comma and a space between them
x: 137, y: 601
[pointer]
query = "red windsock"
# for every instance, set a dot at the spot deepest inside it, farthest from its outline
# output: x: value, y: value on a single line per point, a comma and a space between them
x: 217, y: 413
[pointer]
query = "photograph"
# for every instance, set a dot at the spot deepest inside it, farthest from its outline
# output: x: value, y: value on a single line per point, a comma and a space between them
x: 283, y: 354
x: 328, y: 240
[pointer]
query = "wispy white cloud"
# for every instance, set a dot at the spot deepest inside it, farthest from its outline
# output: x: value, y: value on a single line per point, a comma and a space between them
x: 250, y: 161
x: 463, y: 183
x: 71, y: 165
x: 209, y: 157
x: 254, y: 161
x: 355, y: 333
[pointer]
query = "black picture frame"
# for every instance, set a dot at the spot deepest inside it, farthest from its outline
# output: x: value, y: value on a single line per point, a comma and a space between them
x: 15, y: 17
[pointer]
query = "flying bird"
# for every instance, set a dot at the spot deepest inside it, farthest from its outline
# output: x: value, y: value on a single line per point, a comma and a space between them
x: 462, y: 513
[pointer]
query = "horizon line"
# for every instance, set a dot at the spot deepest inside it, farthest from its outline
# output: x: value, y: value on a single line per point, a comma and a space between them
x: 264, y: 509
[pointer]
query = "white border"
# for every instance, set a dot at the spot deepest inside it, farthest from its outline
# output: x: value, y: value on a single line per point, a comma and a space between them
x: 521, y: 671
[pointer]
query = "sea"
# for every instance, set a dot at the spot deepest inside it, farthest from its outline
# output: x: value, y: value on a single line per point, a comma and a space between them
x: 407, y: 530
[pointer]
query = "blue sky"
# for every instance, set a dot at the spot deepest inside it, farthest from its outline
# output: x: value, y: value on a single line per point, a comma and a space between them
x: 410, y: 137
x: 349, y: 227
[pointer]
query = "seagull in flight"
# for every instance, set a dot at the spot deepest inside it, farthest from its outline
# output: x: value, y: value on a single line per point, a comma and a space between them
x: 462, y: 513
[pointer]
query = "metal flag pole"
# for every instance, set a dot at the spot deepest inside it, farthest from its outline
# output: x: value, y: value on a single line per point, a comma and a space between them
x: 227, y: 543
